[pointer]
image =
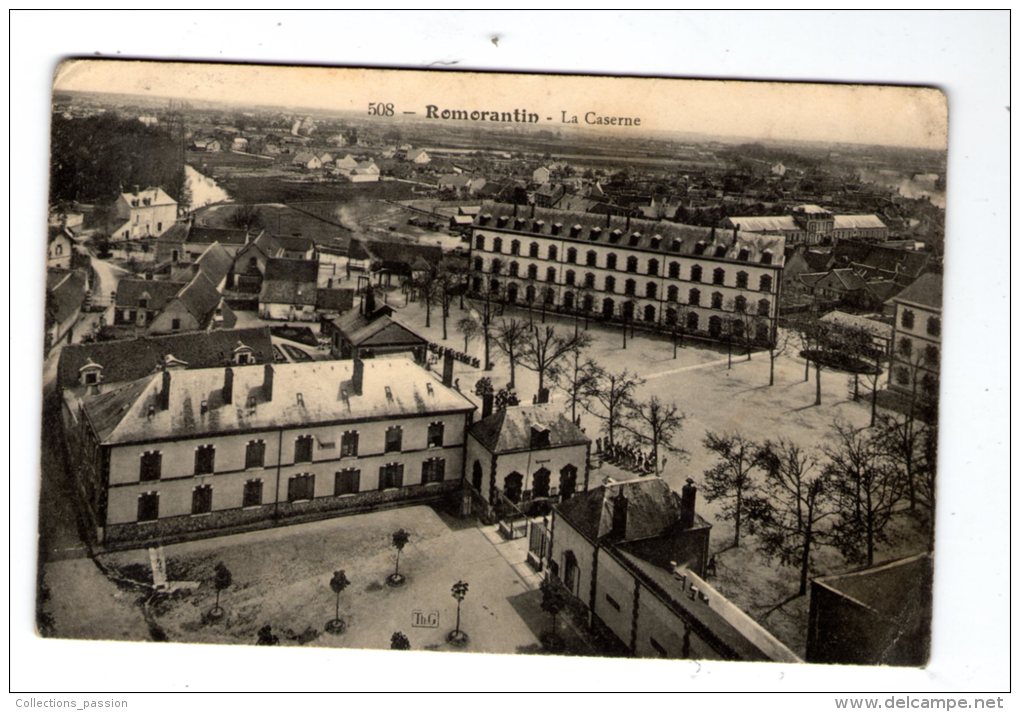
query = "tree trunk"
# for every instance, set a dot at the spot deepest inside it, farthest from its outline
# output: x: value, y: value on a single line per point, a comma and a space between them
x: 736, y: 521
x: 337, y: 617
x: 485, y: 337
x: 457, y: 628
x: 772, y: 368
x: 807, y: 366
x: 818, y: 384
x: 396, y: 570
x: 428, y: 313
x: 874, y: 401
x: 513, y: 368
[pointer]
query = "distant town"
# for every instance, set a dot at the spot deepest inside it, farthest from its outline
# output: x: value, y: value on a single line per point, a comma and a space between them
x: 489, y: 384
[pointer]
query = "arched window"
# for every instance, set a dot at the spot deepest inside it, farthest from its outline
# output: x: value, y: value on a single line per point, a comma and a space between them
x: 611, y: 260
x: 694, y: 297
x: 511, y: 293
x: 497, y: 266
x: 479, y: 242
x: 718, y: 276
x: 650, y: 290
x: 568, y: 278
x: 765, y: 283
x: 906, y: 347
x: 610, y: 284
x: 715, y: 327
x: 591, y: 258
x: 589, y: 280
x: 671, y: 316
x: 533, y: 249
x: 740, y: 304
x: 763, y: 307
x: 907, y: 319
x: 549, y: 295
x: 532, y: 271
x: 529, y: 294
x: 514, y: 269
x: 568, y: 300
x: 540, y: 483
x: 741, y: 280
x: 934, y: 326
x: 762, y: 332
x: 629, y: 287
x: 696, y: 273
x: 692, y: 321
x: 737, y: 328
x: 550, y: 274
x: 588, y: 303
x: 552, y: 252
x: 497, y: 244
x: 653, y: 266
x: 673, y: 293
x: 649, y: 313
x: 608, y: 308
x: 515, y: 247
x: 632, y: 264
x: 571, y: 255
x: 674, y: 270
x: 478, y: 264
x: 716, y: 300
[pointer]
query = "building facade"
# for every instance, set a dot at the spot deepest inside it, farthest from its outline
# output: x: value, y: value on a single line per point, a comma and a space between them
x: 143, y: 213
x: 656, y: 275
x: 181, y: 452
x: 917, y: 338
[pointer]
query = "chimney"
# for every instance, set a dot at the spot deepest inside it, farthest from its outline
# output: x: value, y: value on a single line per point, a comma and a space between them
x: 515, y: 208
x: 368, y: 302
x: 164, y: 394
x: 448, y: 369
x: 687, y: 497
x: 532, y: 216
x: 735, y: 228
x: 136, y: 189
x: 228, y: 386
x: 619, y: 525
x: 487, y: 401
x: 267, y: 383
x: 627, y: 226
x: 607, y: 216
x: 358, y: 375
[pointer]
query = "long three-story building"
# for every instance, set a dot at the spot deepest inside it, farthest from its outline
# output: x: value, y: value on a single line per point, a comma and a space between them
x: 658, y: 275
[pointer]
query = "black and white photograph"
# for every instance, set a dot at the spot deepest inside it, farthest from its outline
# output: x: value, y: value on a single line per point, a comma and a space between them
x: 511, y: 363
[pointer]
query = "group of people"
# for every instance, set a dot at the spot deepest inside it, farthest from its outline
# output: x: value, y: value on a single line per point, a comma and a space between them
x: 627, y: 456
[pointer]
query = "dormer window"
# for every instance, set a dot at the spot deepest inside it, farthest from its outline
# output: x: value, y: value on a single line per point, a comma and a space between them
x: 575, y: 230
x: 744, y: 254
x: 635, y: 238
x: 699, y: 249
x: 720, y: 250
x: 539, y: 437
x: 91, y: 373
x: 766, y: 257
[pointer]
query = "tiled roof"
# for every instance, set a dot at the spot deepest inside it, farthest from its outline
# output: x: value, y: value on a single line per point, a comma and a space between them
x: 222, y: 235
x: 380, y: 330
x: 215, y: 262
x: 764, y: 223
x: 849, y: 279
x: 338, y: 300
x: 130, y: 291
x: 304, y: 271
x: 156, y: 196
x: 652, y: 509
x: 392, y: 387
x: 662, y: 237
x: 926, y: 290
x: 68, y: 294
x: 857, y: 222
x: 290, y: 282
x: 129, y: 359
x: 200, y: 297
x: 509, y: 429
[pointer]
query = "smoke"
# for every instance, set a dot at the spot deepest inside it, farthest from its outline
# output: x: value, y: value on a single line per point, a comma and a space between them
x: 346, y: 217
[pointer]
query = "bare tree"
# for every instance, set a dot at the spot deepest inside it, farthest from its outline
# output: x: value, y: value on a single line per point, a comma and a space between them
x: 777, y: 347
x: 511, y: 337
x: 544, y: 349
x: 866, y: 487
x: 578, y: 380
x: 469, y: 328
x: 425, y: 285
x: 657, y: 424
x: 607, y: 396
x: 794, y: 502
x: 730, y: 479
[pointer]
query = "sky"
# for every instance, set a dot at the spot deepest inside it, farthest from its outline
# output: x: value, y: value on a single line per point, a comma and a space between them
x: 844, y: 113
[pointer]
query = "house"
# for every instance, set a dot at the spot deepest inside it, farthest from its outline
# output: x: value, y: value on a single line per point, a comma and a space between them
x: 332, y: 302
x: 881, y: 333
x: 813, y: 225
x: 521, y: 456
x: 109, y: 362
x: 289, y: 289
x: 917, y: 338
x: 364, y: 172
x: 633, y: 554
x: 418, y: 156
x: 59, y: 248
x: 239, y: 144
x: 338, y: 140
x: 778, y: 169
x: 373, y: 334
x: 249, y: 264
x: 307, y: 159
x: 541, y: 175
x: 346, y: 164
x: 186, y: 242
x: 650, y: 274
x: 801, y: 260
x: 325, y: 158
x: 185, y: 453
x: 215, y: 263
x: 880, y: 615
x: 868, y: 228
x: 138, y: 301
x: 198, y: 306
x: 390, y: 258
x: 65, y: 294
x: 547, y: 195
x: 143, y: 213
x: 207, y: 145
x: 882, y: 262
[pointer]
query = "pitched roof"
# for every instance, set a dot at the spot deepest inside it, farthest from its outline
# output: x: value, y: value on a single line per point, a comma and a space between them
x: 129, y: 359
x: 222, y: 235
x: 292, y: 270
x: 849, y: 279
x: 290, y: 282
x: 291, y: 243
x: 338, y: 300
x: 201, y: 298
x: 215, y: 262
x: 890, y: 259
x: 663, y: 237
x: 68, y: 294
x: 155, y: 196
x: 392, y: 387
x: 926, y: 290
x: 810, y: 279
x: 652, y: 509
x: 857, y: 222
x: 509, y: 429
x: 845, y: 319
x: 130, y: 292
x: 379, y: 329
x: 817, y: 261
x: 399, y: 256
x: 763, y: 223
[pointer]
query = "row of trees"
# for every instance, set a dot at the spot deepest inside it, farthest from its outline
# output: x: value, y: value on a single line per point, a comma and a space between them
x: 842, y: 495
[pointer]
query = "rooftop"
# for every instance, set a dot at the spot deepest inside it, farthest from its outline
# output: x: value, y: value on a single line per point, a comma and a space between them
x: 663, y: 237
x: 392, y: 387
x: 154, y: 196
x: 509, y: 429
x: 926, y: 290
x: 652, y: 509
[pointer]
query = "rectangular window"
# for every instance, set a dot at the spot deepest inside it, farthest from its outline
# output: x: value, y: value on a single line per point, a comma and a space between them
x: 347, y: 482
x: 300, y: 487
x: 612, y: 602
x: 205, y: 460
x: 349, y: 444
x: 391, y: 475
x: 175, y: 324
x: 255, y: 454
x: 151, y: 466
x: 201, y: 499
x: 435, y: 438
x: 148, y: 507
x: 303, y: 449
x: 394, y: 437
x: 433, y: 470
x: 252, y: 493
